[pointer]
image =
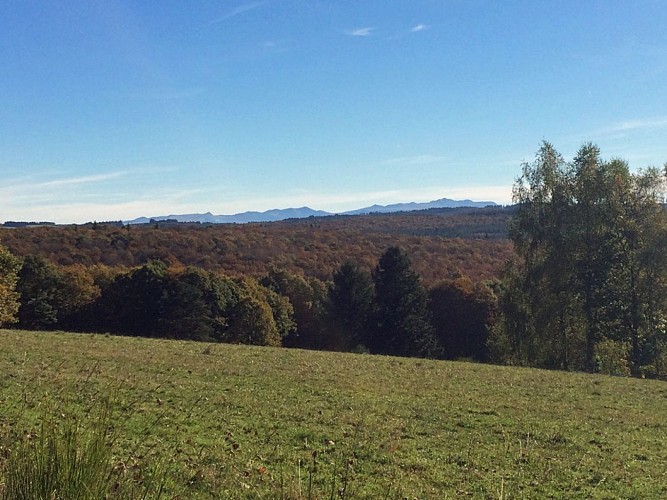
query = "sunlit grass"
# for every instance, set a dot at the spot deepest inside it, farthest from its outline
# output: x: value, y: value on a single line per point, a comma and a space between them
x: 229, y: 421
x: 70, y: 457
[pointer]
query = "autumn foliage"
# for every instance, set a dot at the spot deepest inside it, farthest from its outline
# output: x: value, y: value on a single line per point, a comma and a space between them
x: 442, y: 244
x: 291, y: 284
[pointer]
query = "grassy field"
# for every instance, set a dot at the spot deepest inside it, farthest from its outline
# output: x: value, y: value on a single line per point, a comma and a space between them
x: 223, y: 421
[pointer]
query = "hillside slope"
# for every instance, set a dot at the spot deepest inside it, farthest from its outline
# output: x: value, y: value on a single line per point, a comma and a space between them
x: 241, y: 422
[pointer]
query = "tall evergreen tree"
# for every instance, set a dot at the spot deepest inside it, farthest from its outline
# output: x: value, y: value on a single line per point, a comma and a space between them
x: 351, y: 306
x: 403, y: 321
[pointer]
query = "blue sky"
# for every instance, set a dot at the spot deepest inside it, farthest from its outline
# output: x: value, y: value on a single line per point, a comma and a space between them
x: 114, y: 109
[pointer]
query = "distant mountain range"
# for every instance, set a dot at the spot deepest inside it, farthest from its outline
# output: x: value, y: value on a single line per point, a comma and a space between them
x: 409, y: 207
x: 303, y: 212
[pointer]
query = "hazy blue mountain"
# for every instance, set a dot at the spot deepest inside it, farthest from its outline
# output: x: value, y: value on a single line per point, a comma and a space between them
x: 208, y: 217
x: 408, y: 207
x: 272, y: 215
x: 303, y: 212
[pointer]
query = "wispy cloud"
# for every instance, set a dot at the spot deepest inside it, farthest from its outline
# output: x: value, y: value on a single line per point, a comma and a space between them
x: 628, y: 139
x: 619, y: 130
x: 78, y: 181
x: 241, y: 9
x: 30, y: 186
x: 36, y: 192
x: 95, y: 197
x: 419, y: 27
x: 361, y: 32
x: 638, y: 124
x: 275, y: 45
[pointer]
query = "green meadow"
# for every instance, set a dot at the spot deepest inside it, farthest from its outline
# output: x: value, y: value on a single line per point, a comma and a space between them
x: 226, y: 421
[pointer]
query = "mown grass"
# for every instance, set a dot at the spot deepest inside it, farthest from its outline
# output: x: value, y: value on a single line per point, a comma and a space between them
x: 227, y: 421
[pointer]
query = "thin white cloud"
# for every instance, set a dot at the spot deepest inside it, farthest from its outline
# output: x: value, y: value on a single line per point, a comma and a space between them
x: 614, y: 133
x: 638, y: 124
x: 29, y: 188
x: 241, y: 9
x: 361, y: 32
x: 48, y: 201
x: 78, y: 181
x: 620, y: 129
x: 418, y: 27
x: 275, y: 46
x: 83, y: 198
x: 616, y: 139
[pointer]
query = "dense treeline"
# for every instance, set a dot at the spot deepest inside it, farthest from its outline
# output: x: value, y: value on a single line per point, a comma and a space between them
x: 442, y: 244
x: 386, y: 311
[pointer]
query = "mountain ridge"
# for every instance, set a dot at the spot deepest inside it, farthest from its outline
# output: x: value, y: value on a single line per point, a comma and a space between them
x: 278, y: 214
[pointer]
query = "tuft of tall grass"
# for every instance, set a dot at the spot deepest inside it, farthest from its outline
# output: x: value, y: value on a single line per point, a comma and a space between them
x: 67, y: 460
x: 63, y: 461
